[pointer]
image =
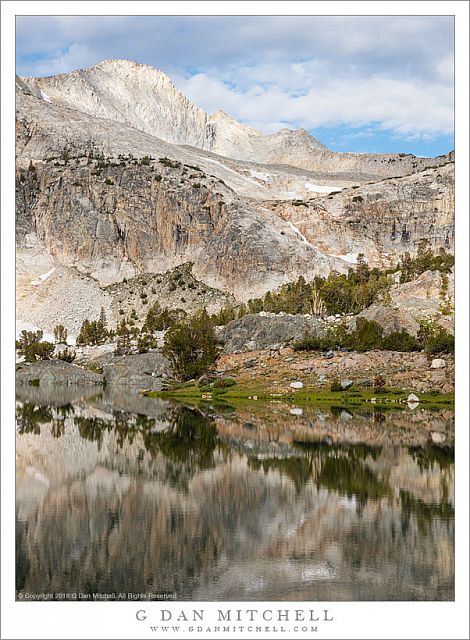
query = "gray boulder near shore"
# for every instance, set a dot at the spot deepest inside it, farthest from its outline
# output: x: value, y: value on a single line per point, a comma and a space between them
x: 267, y: 331
x: 139, y: 371
x: 55, y: 372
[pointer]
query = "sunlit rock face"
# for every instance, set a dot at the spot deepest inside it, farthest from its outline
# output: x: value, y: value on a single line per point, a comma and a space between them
x: 145, y: 98
x: 120, y: 175
x: 178, y: 503
x: 382, y: 220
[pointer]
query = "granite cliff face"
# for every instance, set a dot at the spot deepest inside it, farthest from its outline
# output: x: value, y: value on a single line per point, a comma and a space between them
x: 113, y: 219
x: 118, y: 176
x: 382, y: 220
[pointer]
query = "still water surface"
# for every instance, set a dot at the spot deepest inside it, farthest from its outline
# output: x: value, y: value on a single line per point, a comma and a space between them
x: 121, y: 494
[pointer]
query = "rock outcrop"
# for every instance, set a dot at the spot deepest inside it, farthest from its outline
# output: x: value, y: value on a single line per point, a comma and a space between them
x: 382, y: 220
x: 115, y: 218
x: 140, y: 371
x: 55, y: 372
x: 267, y: 331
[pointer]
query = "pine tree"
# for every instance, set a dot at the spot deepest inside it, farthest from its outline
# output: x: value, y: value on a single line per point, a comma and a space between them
x: 192, y: 346
x: 123, y: 342
x: 60, y: 334
x: 103, y: 320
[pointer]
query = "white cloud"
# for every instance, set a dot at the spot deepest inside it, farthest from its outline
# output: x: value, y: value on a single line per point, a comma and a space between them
x: 402, y: 105
x: 394, y: 73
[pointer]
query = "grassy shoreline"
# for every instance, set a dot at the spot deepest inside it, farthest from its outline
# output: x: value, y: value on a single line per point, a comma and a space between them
x: 305, y: 396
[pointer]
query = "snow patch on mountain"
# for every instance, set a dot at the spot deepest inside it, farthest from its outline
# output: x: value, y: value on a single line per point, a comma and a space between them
x: 45, y: 97
x: 43, y: 277
x: 317, y: 188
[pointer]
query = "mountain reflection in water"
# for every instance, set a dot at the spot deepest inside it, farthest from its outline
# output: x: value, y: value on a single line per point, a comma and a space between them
x: 117, y: 493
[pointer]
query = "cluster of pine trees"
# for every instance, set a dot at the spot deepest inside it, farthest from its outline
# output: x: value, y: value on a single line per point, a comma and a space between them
x: 341, y: 293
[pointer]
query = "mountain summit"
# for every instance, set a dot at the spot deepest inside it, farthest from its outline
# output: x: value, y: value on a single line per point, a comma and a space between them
x: 145, y: 98
x: 121, y: 177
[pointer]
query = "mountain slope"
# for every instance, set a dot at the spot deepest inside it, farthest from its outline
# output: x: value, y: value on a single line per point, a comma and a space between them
x: 146, y: 99
x: 100, y: 200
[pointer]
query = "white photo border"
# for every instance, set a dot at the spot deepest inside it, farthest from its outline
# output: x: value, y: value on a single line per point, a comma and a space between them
x: 114, y: 620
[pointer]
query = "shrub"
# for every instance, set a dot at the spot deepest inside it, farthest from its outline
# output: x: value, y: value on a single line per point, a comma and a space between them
x: 191, y: 346
x: 434, y: 339
x: 223, y: 383
x: 173, y: 164
x: 67, y: 355
x: 367, y: 335
x: 336, y: 385
x: 400, y: 341
x: 378, y: 382
x: 309, y: 342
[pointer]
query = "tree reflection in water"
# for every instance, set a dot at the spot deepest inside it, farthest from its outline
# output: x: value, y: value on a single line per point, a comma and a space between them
x: 140, y: 516
x: 191, y: 438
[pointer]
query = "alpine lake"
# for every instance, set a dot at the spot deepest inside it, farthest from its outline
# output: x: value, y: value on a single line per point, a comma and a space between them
x: 135, y: 497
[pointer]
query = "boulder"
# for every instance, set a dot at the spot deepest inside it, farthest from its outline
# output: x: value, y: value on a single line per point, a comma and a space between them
x: 55, y: 372
x: 140, y: 371
x: 254, y: 331
x: 346, y: 384
x: 249, y: 364
x: 412, y: 398
x: 297, y: 385
x: 390, y: 319
x: 438, y: 363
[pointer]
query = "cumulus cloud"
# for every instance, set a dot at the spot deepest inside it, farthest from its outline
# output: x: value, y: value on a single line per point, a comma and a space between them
x: 403, y: 105
x: 389, y: 73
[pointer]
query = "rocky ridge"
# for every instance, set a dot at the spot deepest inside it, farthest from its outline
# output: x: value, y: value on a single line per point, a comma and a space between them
x: 104, y: 205
x: 145, y: 98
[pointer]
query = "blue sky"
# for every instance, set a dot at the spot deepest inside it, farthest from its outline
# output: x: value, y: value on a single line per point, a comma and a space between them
x: 377, y: 84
